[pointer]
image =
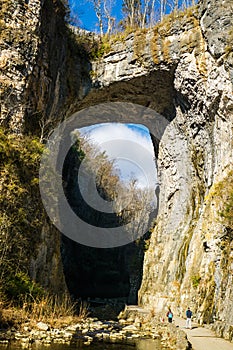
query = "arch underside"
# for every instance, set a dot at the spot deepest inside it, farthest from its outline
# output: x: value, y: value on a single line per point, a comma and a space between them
x: 155, y: 91
x: 150, y: 100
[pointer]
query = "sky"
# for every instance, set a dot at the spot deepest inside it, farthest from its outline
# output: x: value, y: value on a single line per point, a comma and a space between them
x: 130, y: 145
x: 84, y: 12
x: 87, y: 19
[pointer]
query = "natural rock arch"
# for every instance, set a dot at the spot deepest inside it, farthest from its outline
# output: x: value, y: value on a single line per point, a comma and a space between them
x: 195, y: 61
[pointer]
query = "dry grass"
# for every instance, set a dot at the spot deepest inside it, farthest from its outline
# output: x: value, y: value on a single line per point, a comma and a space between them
x: 155, y: 49
x: 229, y: 42
x: 152, y: 313
x: 139, y: 43
x: 161, y: 45
x: 52, y: 310
x: 50, y: 307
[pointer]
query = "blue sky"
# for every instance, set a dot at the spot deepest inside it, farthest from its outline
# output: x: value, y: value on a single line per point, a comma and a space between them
x: 84, y: 12
x: 130, y: 145
x: 83, y: 9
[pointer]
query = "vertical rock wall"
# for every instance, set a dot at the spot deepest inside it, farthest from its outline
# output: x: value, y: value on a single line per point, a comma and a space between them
x: 189, y: 261
x: 19, y: 42
x: 35, y: 61
x: 43, y: 68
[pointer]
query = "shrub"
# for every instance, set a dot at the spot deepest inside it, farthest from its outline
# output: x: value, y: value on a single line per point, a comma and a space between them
x: 21, y: 215
x: 195, y: 280
x: 20, y: 287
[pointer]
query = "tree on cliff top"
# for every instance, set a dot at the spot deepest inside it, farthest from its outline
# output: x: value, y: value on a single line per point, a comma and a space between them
x: 135, y: 13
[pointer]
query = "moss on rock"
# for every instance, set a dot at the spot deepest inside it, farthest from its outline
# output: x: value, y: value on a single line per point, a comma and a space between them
x: 22, y: 216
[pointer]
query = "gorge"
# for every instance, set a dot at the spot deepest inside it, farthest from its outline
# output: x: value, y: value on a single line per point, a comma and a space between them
x: 183, y: 70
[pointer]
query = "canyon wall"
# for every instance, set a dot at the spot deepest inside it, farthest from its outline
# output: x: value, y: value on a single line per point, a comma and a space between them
x: 183, y: 69
x: 31, y: 61
x: 43, y: 67
x: 189, y: 261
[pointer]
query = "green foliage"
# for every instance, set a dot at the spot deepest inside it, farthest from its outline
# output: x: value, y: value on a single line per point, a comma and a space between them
x: 20, y: 287
x: 95, y: 47
x: 222, y: 194
x: 102, y: 48
x: 77, y: 148
x: 226, y: 213
x: 195, y: 280
x: 21, y: 215
x: 87, y: 44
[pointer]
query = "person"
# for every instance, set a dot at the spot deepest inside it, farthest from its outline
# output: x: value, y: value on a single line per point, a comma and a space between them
x: 169, y: 315
x: 189, y: 318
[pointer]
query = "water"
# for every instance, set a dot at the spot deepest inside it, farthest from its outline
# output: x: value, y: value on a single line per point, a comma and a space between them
x: 143, y: 344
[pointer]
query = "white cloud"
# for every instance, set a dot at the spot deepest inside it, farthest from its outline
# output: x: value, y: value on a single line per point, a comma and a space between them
x: 132, y: 148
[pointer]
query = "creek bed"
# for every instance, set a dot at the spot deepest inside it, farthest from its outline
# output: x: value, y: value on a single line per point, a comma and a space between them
x: 142, y: 344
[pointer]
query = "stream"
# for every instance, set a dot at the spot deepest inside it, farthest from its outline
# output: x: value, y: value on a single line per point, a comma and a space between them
x: 143, y: 344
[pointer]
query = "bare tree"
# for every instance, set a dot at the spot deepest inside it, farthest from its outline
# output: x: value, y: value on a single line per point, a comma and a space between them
x: 108, y: 6
x: 152, y: 13
x: 137, y: 13
x: 187, y: 3
x: 176, y: 4
x: 163, y: 6
x: 145, y: 13
x: 136, y: 214
x: 132, y: 11
x: 103, y: 10
x: 99, y: 14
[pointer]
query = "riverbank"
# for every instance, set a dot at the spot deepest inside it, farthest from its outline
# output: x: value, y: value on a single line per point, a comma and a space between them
x: 132, y: 326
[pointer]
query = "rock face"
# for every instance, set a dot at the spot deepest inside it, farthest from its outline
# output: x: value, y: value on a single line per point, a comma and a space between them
x: 27, y: 86
x: 19, y: 46
x: 183, y: 69
x: 42, y: 66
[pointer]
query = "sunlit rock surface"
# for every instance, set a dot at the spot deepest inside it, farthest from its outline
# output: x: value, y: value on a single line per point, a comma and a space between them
x: 182, y: 69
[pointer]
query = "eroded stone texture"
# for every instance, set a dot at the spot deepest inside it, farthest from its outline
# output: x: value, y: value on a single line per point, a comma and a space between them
x: 42, y: 66
x: 189, y: 261
x: 183, y: 69
x: 19, y: 43
x: 22, y: 25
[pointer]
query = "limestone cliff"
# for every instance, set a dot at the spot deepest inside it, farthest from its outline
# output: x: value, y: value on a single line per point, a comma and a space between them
x: 27, y: 97
x: 43, y: 67
x: 183, y: 69
x: 189, y: 261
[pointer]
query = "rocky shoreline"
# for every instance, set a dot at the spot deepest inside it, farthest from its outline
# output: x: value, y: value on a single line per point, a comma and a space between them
x: 132, y: 326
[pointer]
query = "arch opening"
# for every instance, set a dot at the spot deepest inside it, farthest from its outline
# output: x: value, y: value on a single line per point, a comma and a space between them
x: 111, y: 275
